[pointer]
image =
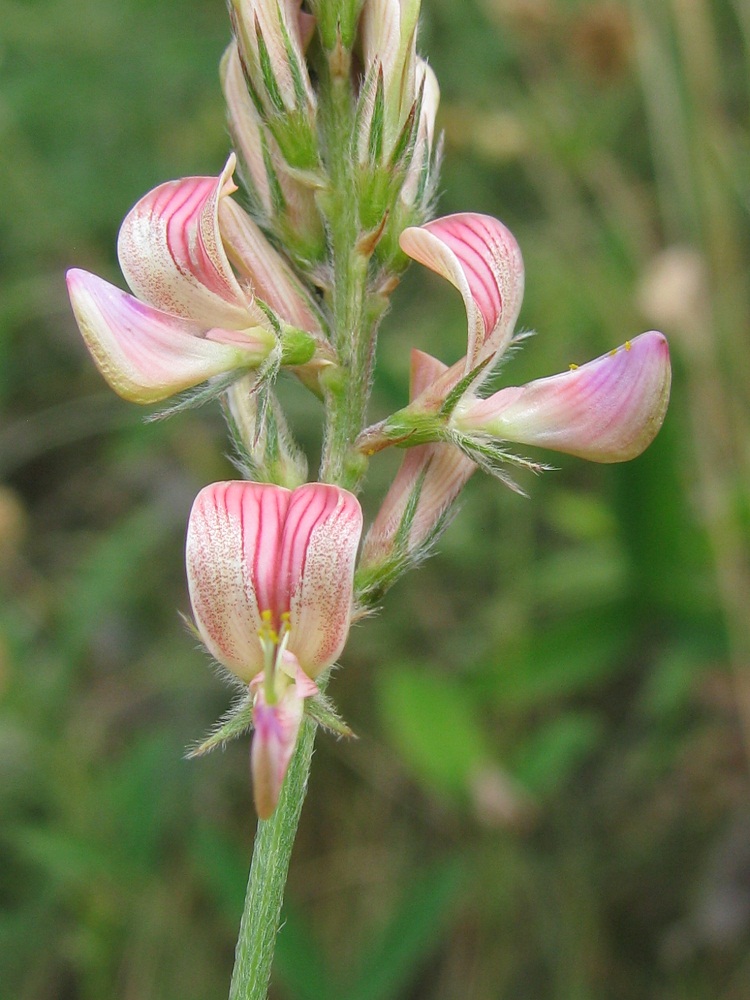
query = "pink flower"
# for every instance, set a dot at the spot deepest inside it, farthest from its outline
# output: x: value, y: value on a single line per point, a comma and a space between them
x: 607, y: 411
x: 193, y: 317
x: 270, y: 574
x: 429, y: 480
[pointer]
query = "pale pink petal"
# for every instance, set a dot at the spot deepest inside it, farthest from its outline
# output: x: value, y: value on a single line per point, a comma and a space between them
x: 425, y: 371
x: 480, y: 258
x: 608, y: 410
x: 380, y: 31
x: 273, y: 20
x: 441, y: 469
x: 316, y: 571
x: 426, y: 80
x: 232, y: 552
x: 388, y: 29
x: 276, y: 728
x: 306, y: 686
x: 305, y: 25
x: 147, y: 355
x: 245, y: 126
x: 172, y: 256
x: 265, y: 270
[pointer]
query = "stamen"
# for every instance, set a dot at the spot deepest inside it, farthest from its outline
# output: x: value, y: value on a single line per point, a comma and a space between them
x: 273, y: 644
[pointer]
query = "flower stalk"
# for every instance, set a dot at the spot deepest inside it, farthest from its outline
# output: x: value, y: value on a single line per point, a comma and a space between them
x: 332, y: 115
x: 272, y: 852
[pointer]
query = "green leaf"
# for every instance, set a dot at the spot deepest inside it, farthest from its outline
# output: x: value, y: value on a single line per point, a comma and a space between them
x: 435, y: 725
x: 546, y: 760
x: 412, y: 934
x: 567, y: 657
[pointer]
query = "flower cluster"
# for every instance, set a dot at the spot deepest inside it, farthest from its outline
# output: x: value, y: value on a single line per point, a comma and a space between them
x: 332, y: 115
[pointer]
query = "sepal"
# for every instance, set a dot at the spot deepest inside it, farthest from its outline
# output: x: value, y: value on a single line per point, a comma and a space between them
x: 265, y: 449
x: 494, y: 459
x: 237, y: 721
x: 321, y: 710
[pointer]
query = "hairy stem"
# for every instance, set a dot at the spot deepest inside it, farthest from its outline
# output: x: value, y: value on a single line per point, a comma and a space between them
x: 265, y: 888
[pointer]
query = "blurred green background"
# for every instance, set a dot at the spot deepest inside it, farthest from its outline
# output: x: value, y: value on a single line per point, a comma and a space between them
x: 548, y: 799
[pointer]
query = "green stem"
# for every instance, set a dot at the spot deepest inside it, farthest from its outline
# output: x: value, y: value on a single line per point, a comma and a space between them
x: 355, y: 312
x: 268, y: 871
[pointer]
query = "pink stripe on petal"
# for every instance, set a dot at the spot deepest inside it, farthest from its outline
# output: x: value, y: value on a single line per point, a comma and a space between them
x: 608, y: 410
x: 307, y: 508
x: 147, y: 355
x: 266, y: 511
x: 321, y: 537
x: 172, y: 256
x: 481, y: 258
x: 221, y: 527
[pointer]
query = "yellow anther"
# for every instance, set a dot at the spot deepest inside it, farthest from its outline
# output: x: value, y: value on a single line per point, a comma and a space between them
x: 266, y: 616
x: 573, y: 368
x: 613, y: 352
x: 285, y: 616
x: 628, y: 345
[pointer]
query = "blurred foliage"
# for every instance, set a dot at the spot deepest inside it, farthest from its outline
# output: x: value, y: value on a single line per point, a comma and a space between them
x: 549, y: 793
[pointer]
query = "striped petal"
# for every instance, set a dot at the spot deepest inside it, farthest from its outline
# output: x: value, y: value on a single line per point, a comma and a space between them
x: 147, y: 355
x: 172, y: 256
x: 480, y: 258
x: 233, y: 539
x: 265, y: 270
x: 319, y: 548
x: 254, y: 548
x: 608, y: 410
